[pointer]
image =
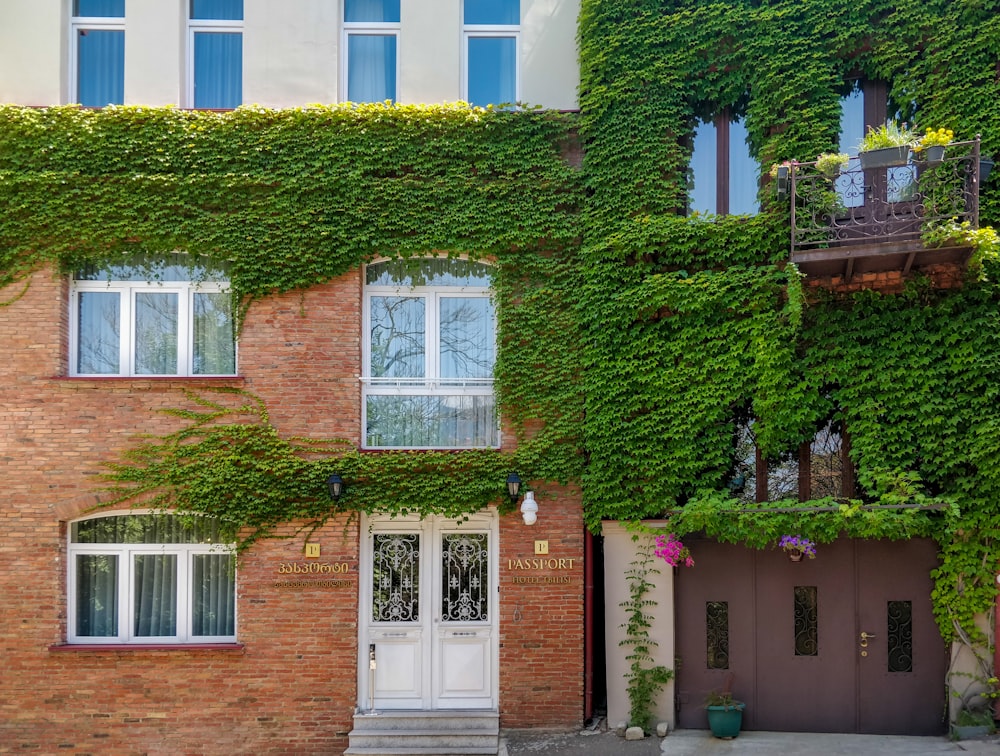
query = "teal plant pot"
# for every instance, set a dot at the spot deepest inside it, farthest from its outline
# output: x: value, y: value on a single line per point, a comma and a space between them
x: 725, y: 721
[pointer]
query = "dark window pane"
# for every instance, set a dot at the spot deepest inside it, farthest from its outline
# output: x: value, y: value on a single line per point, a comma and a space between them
x: 213, y: 594
x: 717, y: 633
x: 806, y: 620
x: 155, y: 595
x: 899, y: 616
x: 97, y: 595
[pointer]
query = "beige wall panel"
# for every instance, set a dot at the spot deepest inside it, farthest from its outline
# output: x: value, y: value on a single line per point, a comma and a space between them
x: 33, y: 65
x: 619, y: 553
x: 155, y: 49
x: 290, y: 52
x: 430, y: 52
x: 549, y: 70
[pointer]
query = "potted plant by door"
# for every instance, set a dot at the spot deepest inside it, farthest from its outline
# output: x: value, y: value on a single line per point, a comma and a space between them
x: 886, y: 146
x: 725, y: 714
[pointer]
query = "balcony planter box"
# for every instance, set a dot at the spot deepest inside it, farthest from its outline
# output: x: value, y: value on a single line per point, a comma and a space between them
x: 885, y: 157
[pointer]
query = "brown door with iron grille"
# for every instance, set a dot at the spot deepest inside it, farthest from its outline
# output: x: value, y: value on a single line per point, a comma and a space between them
x: 842, y: 643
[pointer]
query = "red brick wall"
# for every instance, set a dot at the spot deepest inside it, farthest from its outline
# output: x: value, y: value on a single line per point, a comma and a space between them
x: 291, y: 688
x: 541, y: 621
x: 946, y: 276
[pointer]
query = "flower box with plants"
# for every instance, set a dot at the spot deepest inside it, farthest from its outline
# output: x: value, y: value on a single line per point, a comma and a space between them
x: 797, y: 547
x: 832, y: 163
x: 888, y: 145
x: 932, y: 143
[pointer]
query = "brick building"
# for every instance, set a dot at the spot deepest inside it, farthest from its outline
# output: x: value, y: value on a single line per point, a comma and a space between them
x: 144, y: 635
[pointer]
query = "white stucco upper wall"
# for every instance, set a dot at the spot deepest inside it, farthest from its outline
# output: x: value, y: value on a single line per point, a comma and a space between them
x: 292, y: 52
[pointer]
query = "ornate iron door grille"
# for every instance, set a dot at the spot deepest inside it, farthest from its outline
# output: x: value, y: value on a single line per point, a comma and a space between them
x: 465, y: 577
x: 396, y: 577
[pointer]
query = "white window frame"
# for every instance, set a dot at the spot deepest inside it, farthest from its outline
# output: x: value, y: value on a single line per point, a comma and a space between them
x: 86, y: 23
x: 471, y: 31
x: 372, y: 29
x: 127, y: 291
x: 196, y: 26
x: 125, y: 552
x: 432, y: 384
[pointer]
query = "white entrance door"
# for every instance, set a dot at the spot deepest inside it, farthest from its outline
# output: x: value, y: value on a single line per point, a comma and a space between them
x: 428, y: 614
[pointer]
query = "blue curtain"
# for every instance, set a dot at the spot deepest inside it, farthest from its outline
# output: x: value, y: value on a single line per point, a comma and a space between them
x: 218, y: 69
x: 492, y: 12
x: 371, y: 67
x: 220, y: 10
x: 362, y: 11
x: 100, y: 67
x: 99, y: 8
x: 492, y: 70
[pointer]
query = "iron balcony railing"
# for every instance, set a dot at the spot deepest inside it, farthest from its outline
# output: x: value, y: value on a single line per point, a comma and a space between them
x: 859, y: 207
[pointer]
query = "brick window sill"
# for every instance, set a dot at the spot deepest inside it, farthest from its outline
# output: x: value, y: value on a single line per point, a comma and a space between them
x: 116, y: 647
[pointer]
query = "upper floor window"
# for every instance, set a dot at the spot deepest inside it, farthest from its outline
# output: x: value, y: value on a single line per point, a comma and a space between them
x: 98, y: 55
x: 215, y: 29
x: 817, y: 469
x: 724, y: 176
x: 430, y: 345
x: 491, y: 30
x: 371, y: 40
x: 150, y: 578
x: 867, y: 105
x: 160, y: 318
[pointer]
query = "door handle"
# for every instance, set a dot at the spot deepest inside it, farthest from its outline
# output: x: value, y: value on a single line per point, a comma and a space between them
x: 865, y: 637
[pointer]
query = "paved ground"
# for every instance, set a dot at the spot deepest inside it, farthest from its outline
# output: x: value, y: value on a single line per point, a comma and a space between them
x: 701, y: 743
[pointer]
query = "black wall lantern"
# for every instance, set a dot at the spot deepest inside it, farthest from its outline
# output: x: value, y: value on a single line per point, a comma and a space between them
x: 513, y: 487
x: 335, y: 485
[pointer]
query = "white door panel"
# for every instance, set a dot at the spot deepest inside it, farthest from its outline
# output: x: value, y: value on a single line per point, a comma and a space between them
x: 429, y: 608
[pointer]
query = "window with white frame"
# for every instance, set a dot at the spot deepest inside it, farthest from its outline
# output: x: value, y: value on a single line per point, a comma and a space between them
x: 491, y: 29
x: 724, y: 176
x: 371, y: 41
x: 97, y: 33
x: 150, y: 578
x: 170, y: 316
x: 429, y: 349
x: 215, y: 67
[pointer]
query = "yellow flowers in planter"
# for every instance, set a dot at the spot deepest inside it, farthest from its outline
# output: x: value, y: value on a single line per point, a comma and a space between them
x: 931, y: 138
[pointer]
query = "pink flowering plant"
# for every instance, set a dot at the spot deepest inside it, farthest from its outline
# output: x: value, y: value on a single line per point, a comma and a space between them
x: 670, y: 549
x: 798, y: 544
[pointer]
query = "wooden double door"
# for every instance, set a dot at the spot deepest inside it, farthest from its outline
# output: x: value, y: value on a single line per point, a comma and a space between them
x: 845, y: 642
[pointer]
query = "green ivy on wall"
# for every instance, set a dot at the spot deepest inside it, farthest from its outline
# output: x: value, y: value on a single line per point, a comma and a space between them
x: 290, y: 199
x: 631, y: 337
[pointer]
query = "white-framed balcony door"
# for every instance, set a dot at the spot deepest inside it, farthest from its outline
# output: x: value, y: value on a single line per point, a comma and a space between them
x: 428, y: 610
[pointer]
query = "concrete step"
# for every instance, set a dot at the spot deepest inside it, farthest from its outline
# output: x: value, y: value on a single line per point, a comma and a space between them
x: 426, y: 733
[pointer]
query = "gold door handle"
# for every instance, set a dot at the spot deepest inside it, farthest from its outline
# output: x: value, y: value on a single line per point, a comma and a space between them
x: 865, y: 636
